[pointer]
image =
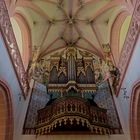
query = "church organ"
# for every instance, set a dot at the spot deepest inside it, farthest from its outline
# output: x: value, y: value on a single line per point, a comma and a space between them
x: 71, y: 108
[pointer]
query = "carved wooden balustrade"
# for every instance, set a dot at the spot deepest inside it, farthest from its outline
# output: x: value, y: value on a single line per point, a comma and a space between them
x: 71, y: 114
x: 11, y: 44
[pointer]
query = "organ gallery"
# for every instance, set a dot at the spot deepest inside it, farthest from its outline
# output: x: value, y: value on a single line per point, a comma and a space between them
x: 74, y: 99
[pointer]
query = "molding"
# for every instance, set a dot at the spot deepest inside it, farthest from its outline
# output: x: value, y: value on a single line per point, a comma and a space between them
x: 115, y: 35
x: 26, y: 38
x: 8, y: 103
x: 12, y: 48
x: 129, y: 45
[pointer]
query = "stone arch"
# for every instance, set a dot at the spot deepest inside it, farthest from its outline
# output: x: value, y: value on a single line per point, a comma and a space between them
x: 26, y: 38
x: 135, y: 112
x: 6, y: 116
x: 115, y: 35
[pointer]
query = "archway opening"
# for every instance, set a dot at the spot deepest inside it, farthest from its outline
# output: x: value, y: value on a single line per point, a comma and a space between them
x: 135, y: 113
x: 6, y: 118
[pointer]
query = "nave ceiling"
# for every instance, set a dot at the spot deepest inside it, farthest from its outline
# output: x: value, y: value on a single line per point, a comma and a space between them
x: 54, y: 25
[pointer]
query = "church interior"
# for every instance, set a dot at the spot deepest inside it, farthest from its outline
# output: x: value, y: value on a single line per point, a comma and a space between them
x: 69, y: 69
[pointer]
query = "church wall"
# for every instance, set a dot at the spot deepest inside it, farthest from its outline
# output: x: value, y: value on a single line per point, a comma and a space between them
x: 124, y: 98
x: 8, y: 75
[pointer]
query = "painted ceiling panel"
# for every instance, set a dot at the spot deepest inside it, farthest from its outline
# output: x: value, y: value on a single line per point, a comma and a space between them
x: 54, y: 32
x: 87, y: 32
x: 51, y: 9
x: 37, y: 24
x: 83, y: 44
x: 56, y: 45
x: 91, y: 8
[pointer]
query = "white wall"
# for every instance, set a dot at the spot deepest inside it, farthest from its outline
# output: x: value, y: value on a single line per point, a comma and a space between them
x: 132, y: 76
x: 8, y: 75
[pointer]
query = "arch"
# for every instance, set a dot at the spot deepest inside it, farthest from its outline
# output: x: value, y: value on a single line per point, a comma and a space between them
x: 26, y: 38
x: 62, y: 78
x: 81, y: 78
x: 135, y: 112
x: 90, y: 75
x: 6, y: 116
x: 115, y: 35
x: 54, y: 75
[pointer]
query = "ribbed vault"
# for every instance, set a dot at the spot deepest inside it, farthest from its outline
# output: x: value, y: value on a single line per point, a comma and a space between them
x: 86, y: 24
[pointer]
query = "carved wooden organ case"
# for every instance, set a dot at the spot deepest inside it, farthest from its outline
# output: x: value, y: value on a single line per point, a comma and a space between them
x: 71, y: 108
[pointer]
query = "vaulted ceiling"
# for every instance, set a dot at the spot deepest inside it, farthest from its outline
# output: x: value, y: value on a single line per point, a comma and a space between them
x: 54, y: 25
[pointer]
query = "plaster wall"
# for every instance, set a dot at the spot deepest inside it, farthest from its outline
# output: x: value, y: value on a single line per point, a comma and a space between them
x: 131, y: 77
x: 7, y: 74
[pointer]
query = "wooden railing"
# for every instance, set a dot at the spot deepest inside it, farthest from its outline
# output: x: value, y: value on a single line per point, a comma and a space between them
x: 12, y: 48
x: 71, y: 110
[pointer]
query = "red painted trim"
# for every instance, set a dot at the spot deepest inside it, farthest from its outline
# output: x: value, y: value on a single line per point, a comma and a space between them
x: 10, y: 120
x: 115, y: 35
x: 134, y: 111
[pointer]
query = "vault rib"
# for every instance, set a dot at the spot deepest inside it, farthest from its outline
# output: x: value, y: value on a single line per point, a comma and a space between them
x: 34, y: 7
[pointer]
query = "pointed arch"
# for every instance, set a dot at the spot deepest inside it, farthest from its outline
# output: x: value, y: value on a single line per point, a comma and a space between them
x: 26, y: 38
x: 115, y: 35
x: 90, y: 75
x: 62, y: 78
x: 6, y: 113
x: 54, y: 75
x: 135, y: 112
x: 81, y: 78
